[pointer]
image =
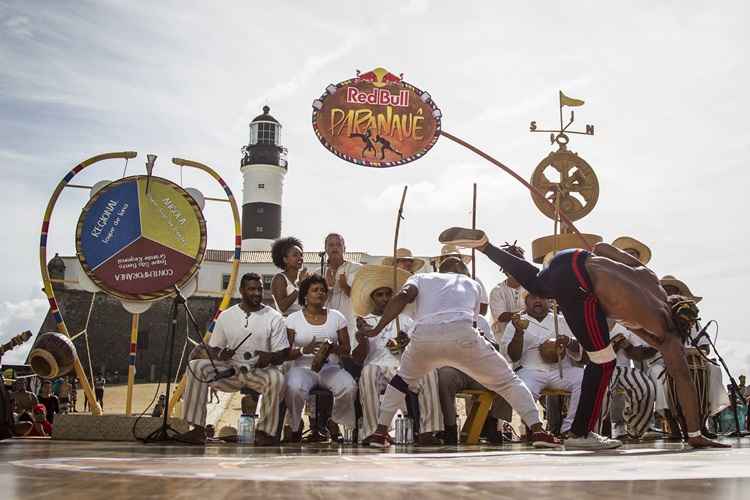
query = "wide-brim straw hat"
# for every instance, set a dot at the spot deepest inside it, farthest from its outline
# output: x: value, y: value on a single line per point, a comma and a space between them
x: 626, y: 242
x: 451, y: 251
x: 405, y: 254
x: 670, y: 280
x: 368, y: 279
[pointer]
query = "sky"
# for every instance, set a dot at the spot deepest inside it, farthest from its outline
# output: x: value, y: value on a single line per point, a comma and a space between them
x: 665, y: 85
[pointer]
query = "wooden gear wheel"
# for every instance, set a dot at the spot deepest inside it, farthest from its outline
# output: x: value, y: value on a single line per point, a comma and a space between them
x: 577, y: 184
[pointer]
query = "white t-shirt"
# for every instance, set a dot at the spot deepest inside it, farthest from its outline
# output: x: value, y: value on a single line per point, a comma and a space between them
x: 535, y: 335
x: 340, y: 301
x: 234, y: 324
x: 445, y: 297
x: 290, y: 289
x: 378, y: 354
x: 305, y: 332
x: 504, y: 299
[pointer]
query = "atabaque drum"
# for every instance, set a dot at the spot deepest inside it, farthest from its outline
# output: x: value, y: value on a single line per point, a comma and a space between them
x: 53, y: 355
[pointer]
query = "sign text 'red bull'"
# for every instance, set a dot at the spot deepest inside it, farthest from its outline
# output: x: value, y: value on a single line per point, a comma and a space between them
x: 376, y: 120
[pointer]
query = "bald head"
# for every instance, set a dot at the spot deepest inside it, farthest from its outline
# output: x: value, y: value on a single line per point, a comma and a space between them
x: 453, y: 265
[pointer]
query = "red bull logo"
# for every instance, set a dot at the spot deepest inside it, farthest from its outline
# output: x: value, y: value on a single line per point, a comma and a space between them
x: 379, y: 77
x: 376, y: 120
x: 380, y: 97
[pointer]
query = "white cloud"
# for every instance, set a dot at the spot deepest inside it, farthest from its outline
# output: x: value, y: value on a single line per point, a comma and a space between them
x: 19, y: 26
x: 16, y: 317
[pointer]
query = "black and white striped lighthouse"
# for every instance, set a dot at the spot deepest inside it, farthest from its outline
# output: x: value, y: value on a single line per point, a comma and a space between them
x: 263, y: 169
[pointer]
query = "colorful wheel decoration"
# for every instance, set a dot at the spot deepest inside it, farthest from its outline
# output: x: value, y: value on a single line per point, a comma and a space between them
x: 140, y: 236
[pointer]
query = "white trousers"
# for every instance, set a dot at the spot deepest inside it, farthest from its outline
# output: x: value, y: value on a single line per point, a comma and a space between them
x: 718, y: 396
x: 269, y: 382
x: 459, y: 345
x: 640, y: 394
x: 374, y: 380
x: 299, y: 382
x: 538, y: 380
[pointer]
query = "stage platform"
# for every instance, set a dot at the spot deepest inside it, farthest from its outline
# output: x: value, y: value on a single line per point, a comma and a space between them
x: 33, y: 469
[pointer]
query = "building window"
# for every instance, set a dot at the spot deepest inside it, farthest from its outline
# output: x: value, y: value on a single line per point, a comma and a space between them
x: 258, y: 229
x: 225, y: 281
x: 142, y: 340
x: 260, y: 210
x: 261, y: 186
x: 267, y: 278
x: 266, y: 133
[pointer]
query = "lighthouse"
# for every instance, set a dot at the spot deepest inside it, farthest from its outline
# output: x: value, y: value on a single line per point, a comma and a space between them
x: 263, y: 168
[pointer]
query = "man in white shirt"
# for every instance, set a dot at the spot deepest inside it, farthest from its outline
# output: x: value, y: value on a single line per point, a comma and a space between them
x: 339, y: 275
x: 247, y: 345
x: 636, y: 386
x: 524, y: 343
x: 506, y: 298
x: 380, y: 356
x: 447, y: 304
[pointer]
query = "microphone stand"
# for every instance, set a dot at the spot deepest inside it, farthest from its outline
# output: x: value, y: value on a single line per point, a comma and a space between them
x: 162, y: 434
x: 733, y: 384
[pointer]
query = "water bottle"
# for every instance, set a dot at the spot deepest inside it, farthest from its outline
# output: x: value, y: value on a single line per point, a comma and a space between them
x: 408, y: 430
x: 246, y: 429
x: 399, y: 430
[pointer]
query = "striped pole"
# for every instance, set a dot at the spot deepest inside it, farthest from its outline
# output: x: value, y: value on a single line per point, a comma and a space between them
x: 54, y: 309
x: 131, y: 362
x: 177, y: 394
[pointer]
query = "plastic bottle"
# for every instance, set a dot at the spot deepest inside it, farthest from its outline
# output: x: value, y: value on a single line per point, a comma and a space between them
x: 246, y: 429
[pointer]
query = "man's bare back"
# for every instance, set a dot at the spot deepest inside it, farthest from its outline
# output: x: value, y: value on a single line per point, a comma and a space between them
x: 631, y: 295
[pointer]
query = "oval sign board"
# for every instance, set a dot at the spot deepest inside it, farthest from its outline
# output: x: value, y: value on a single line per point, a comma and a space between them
x: 140, y: 236
x: 376, y: 120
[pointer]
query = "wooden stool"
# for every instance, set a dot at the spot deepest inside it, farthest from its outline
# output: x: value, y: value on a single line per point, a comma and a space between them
x: 480, y: 408
x: 561, y: 394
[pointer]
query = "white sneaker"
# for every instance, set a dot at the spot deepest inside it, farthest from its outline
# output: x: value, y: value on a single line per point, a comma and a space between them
x: 591, y: 442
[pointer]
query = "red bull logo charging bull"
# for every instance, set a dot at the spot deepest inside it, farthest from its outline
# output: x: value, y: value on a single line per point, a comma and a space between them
x: 376, y: 120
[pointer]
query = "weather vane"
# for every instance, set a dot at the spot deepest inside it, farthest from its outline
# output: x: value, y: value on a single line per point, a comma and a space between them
x: 575, y: 188
x: 560, y: 136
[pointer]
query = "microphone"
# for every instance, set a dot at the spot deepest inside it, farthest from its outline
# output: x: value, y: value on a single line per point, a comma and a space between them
x: 702, y: 333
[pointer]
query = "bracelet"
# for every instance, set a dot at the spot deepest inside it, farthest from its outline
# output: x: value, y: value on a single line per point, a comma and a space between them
x: 695, y: 434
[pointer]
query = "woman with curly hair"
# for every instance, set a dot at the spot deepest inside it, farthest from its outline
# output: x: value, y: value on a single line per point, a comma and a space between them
x: 287, y: 256
x: 308, y: 329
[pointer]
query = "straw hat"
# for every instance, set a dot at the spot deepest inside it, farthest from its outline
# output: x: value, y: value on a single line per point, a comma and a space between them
x: 451, y: 251
x: 405, y: 254
x: 368, y: 279
x: 627, y: 243
x: 670, y: 280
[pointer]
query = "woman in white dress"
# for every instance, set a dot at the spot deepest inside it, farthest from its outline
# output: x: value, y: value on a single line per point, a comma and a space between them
x: 286, y: 254
x: 307, y: 329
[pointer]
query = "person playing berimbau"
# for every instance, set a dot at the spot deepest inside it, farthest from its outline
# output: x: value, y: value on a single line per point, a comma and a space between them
x: 589, y: 288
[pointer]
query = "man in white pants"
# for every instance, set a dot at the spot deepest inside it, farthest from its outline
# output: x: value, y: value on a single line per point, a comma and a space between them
x: 524, y: 342
x: 248, y: 343
x: 447, y: 304
x: 380, y: 356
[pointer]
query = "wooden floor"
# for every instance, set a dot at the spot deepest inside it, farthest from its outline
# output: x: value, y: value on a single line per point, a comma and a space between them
x: 39, y: 469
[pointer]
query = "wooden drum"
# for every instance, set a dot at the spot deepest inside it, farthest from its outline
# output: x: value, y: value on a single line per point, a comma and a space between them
x: 699, y: 375
x: 53, y: 355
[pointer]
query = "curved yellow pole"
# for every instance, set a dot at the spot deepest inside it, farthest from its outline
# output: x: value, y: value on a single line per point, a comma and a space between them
x: 177, y: 394
x: 95, y: 408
